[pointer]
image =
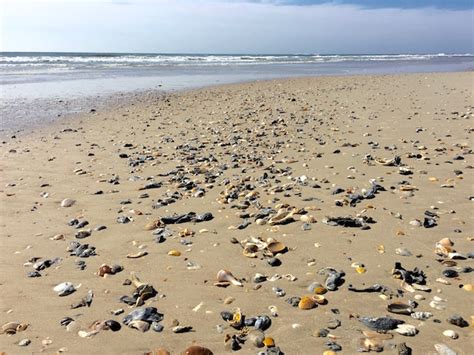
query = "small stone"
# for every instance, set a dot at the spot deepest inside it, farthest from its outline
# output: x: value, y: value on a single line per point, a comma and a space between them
x: 24, y: 342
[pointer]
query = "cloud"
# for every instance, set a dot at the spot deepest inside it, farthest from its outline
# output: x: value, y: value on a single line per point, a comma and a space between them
x: 232, y: 26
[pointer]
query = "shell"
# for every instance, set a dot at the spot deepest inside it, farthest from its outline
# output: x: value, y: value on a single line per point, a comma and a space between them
x: 11, y: 328
x: 360, y: 270
x: 451, y: 334
x: 139, y: 325
x: 64, y: 289
x: 276, y: 247
x: 446, y: 242
x: 307, y: 219
x: 406, y: 329
x: 174, y: 252
x: 226, y: 277
x: 317, y: 288
x: 421, y: 315
x: 135, y: 280
x: 468, y: 287
x: 319, y: 299
x: 306, y: 303
x: 269, y: 342
x: 137, y: 255
x: 197, y: 350
x: 67, y: 202
x: 399, y: 308
x: 282, y: 217
x: 104, y: 269
x: 153, y: 225
x: 273, y: 310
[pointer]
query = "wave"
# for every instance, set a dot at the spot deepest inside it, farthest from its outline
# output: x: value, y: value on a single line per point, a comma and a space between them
x: 133, y: 60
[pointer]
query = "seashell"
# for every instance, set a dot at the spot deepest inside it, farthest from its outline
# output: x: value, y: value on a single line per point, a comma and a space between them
x: 306, y: 303
x: 197, y: 350
x: 136, y: 281
x: 360, y: 270
x: 373, y: 334
x: 186, y: 233
x: 443, y: 349
x: 137, y: 255
x: 319, y: 299
x: 276, y: 247
x: 67, y: 202
x: 260, y: 222
x: 153, y: 225
x: 419, y: 297
x: 421, y: 315
x: 237, y: 319
x: 329, y: 352
x: 159, y: 351
x: 317, y: 288
x: 11, y: 328
x: 468, y: 287
x: 399, y: 308
x: 225, y: 277
x: 174, y: 252
x: 370, y: 344
x: 273, y: 310
x: 307, y: 219
x: 406, y: 329
x: 282, y: 217
x: 250, y: 250
x: 457, y: 256
x: 87, y: 334
x: 104, y: 269
x: 140, y: 325
x: 64, y: 289
x: 416, y: 223
x: 445, y: 242
x: 269, y: 342
x: 451, y: 334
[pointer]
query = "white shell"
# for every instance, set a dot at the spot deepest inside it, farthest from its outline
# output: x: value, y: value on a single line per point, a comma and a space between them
x: 406, y: 329
x: 450, y: 334
x: 67, y: 202
x: 421, y: 315
x: 63, y: 287
x: 443, y: 349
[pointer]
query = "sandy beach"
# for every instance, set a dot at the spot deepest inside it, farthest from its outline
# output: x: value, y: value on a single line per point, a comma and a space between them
x: 364, y: 185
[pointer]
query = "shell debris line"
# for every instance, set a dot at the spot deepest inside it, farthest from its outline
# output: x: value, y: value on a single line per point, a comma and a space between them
x: 303, y: 216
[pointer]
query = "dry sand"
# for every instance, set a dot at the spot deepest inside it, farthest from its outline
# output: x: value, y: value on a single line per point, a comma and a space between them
x: 309, y: 136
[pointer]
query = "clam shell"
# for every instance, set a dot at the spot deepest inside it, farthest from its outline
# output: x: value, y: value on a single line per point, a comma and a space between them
x: 319, y: 299
x: 276, y: 247
x: 399, y: 308
x: 451, y: 334
x: 306, y: 302
x: 406, y: 329
x: 67, y: 202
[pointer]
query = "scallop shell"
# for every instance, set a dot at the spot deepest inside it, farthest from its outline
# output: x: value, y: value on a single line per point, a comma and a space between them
x: 406, y: 329
x: 306, y: 302
x: 225, y: 277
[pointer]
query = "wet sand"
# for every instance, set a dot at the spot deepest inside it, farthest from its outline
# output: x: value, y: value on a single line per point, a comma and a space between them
x: 235, y: 150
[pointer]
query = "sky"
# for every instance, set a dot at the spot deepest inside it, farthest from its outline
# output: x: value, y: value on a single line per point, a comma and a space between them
x: 238, y: 26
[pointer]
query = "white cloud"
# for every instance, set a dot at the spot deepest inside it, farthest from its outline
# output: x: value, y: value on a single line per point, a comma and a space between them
x: 207, y: 26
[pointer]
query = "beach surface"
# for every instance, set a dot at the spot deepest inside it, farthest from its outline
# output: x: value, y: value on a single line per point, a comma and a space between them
x: 280, y: 159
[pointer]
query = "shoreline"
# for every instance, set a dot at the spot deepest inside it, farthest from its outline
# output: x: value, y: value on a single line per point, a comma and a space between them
x: 302, y: 149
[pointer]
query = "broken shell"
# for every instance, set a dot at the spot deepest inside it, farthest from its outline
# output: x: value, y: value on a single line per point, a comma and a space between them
x: 317, y: 288
x: 306, y: 302
x: 450, y: 334
x: 406, y: 329
x: 399, y: 308
x: 11, y: 328
x: 226, y: 277
x: 421, y: 315
x: 276, y: 247
x: 137, y: 255
x: 282, y: 217
x: 174, y: 252
x: 139, y: 325
x: 273, y: 310
x: 319, y: 299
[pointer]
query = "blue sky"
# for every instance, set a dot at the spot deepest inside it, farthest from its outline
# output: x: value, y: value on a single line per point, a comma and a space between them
x: 238, y: 26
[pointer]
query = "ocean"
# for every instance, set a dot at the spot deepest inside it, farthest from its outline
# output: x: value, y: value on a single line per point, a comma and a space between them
x: 36, y: 88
